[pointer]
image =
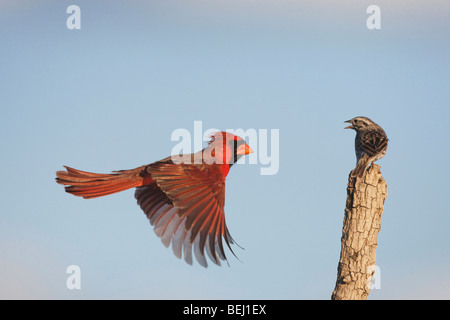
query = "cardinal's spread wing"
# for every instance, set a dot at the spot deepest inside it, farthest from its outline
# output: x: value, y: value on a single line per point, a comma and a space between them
x: 185, y: 204
x: 373, y: 142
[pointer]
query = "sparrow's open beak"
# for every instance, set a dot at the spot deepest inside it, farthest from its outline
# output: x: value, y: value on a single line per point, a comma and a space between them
x: 243, y: 149
x: 350, y: 126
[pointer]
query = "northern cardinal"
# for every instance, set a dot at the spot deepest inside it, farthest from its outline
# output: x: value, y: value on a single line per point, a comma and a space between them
x: 184, y: 202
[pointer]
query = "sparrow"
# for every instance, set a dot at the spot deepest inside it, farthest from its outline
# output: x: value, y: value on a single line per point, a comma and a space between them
x: 370, y: 143
x: 183, y: 201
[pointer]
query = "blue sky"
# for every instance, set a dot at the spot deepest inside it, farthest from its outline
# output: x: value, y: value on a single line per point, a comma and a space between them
x: 108, y: 97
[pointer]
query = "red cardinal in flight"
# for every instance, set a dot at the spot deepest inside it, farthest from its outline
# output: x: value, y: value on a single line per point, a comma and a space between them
x: 183, y: 201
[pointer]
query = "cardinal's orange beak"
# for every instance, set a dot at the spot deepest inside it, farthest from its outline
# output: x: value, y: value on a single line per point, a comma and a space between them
x: 243, y: 149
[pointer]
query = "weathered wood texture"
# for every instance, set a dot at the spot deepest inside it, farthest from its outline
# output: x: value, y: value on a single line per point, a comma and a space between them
x: 362, y: 222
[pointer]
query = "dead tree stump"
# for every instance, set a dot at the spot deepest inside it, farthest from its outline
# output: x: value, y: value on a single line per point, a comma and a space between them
x: 362, y: 222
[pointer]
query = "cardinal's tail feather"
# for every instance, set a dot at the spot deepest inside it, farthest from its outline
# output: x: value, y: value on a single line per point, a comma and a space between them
x: 92, y: 185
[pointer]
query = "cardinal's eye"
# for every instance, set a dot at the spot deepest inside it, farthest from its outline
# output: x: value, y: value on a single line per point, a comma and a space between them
x: 236, y: 143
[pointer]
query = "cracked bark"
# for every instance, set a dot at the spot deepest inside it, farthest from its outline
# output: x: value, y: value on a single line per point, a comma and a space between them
x: 362, y: 222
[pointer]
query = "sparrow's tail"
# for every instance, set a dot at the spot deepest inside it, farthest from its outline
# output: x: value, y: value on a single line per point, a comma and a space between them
x: 92, y: 185
x: 361, y: 166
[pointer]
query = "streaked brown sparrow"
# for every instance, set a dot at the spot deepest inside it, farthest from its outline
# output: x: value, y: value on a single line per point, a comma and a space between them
x: 370, y: 143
